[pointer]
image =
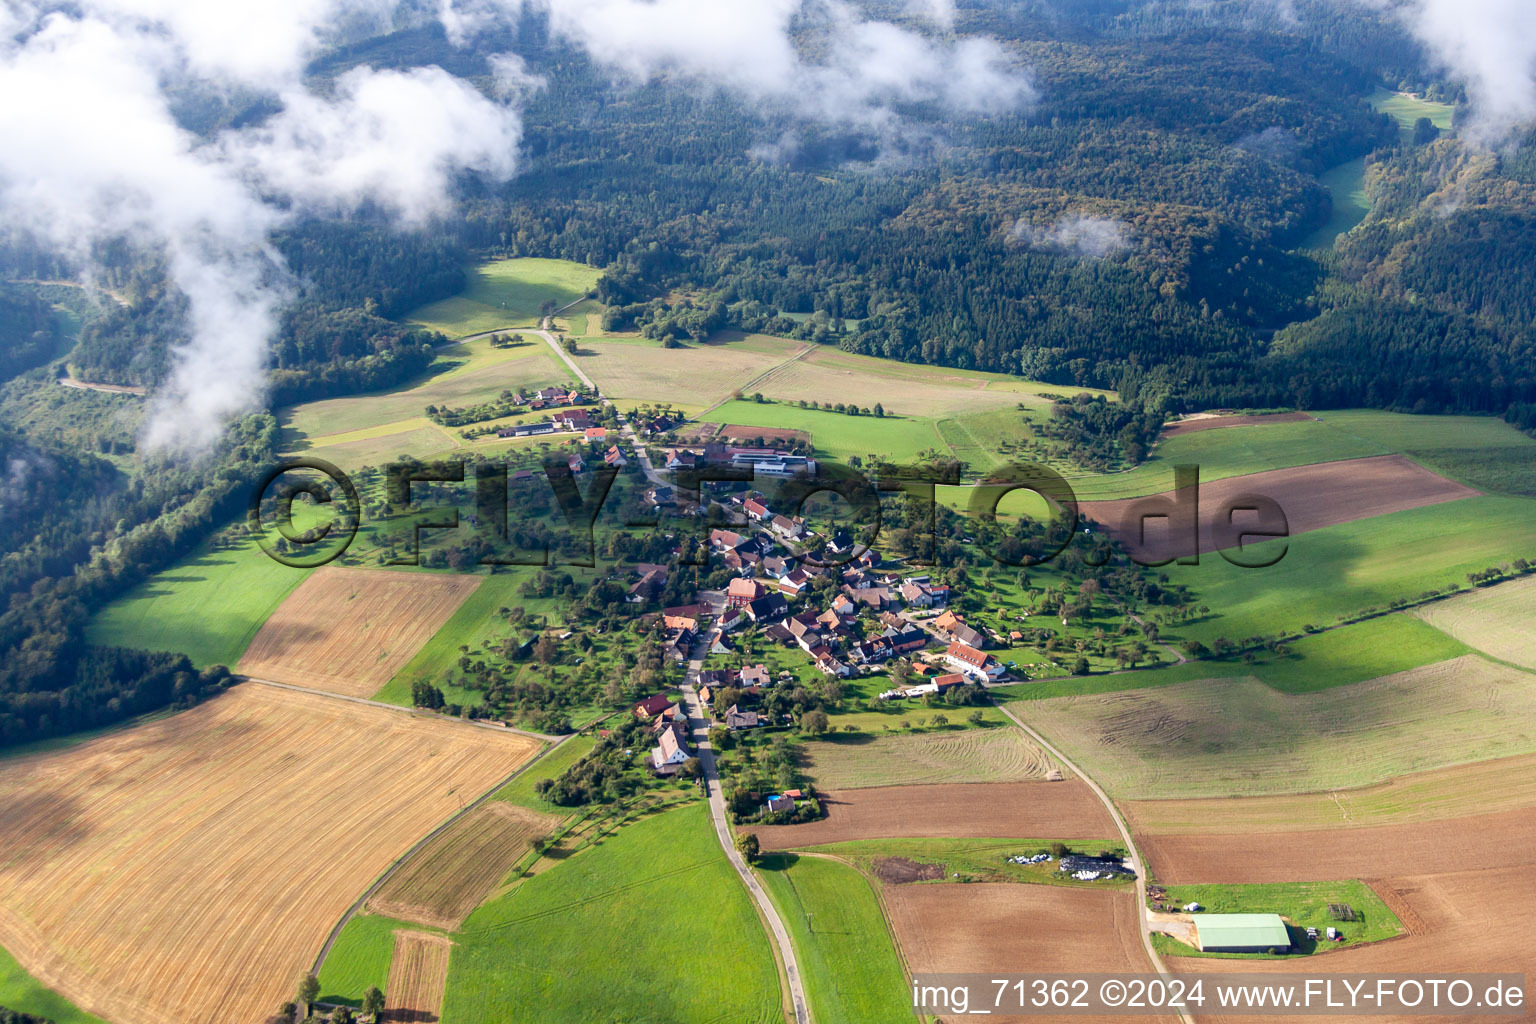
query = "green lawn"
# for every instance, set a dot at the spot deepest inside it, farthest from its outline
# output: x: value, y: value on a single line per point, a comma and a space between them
x: 1302, y: 904
x: 360, y: 958
x: 506, y: 293
x: 1346, y: 186
x: 638, y: 928
x: 848, y: 963
x: 208, y: 606
x: 24, y: 993
x: 1342, y: 570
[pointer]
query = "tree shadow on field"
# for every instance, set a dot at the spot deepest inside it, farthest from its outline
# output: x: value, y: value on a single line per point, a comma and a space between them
x: 847, y: 739
x: 37, y: 827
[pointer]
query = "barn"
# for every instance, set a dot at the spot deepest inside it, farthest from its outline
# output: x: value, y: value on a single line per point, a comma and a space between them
x: 1241, y: 933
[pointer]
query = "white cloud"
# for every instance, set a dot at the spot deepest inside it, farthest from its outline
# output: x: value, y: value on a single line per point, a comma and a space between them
x: 1488, y: 44
x: 1078, y: 235
x: 92, y: 153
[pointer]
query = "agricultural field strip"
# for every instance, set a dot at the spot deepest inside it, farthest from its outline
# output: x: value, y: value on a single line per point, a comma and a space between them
x: 350, y: 630
x: 418, y: 973
x: 1496, y: 620
x: 201, y: 806
x: 969, y: 755
x: 1239, y: 737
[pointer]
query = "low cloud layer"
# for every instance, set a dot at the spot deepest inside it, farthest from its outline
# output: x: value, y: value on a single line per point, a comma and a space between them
x: 1488, y: 44
x: 93, y: 152
x: 1080, y: 236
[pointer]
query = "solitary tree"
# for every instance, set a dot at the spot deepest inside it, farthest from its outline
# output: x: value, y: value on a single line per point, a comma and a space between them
x: 814, y: 723
x: 309, y: 990
x: 373, y: 1002
x: 747, y: 846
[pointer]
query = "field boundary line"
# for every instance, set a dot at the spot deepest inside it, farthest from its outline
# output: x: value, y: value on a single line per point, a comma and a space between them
x: 775, y: 368
x: 399, y: 709
x: 399, y: 862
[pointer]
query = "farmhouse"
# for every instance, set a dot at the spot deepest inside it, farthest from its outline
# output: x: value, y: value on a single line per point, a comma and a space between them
x: 973, y: 663
x: 575, y: 419
x: 1241, y: 933
x: 735, y: 718
x: 652, y: 706
x: 756, y: 510
x: 742, y: 591
x: 671, y: 749
x: 614, y: 457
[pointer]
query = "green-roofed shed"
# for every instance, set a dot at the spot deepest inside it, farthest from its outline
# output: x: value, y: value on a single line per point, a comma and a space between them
x: 1241, y: 933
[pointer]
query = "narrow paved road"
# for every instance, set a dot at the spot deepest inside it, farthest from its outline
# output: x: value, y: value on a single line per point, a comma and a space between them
x: 698, y: 722
x: 1137, y: 864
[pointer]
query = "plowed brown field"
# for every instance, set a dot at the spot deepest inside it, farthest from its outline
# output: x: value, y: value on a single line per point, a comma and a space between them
x: 992, y: 810
x: 417, y: 973
x: 350, y: 630
x: 187, y: 870
x: 453, y: 874
x: 1191, y: 426
x: 1015, y: 928
x: 1382, y: 851
x: 1312, y: 497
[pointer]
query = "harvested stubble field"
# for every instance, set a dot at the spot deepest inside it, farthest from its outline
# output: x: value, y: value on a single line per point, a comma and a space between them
x: 692, y: 377
x: 966, y: 755
x: 1498, y: 785
x: 418, y: 971
x: 452, y: 875
x: 1428, y: 847
x: 350, y: 630
x: 1457, y: 922
x: 1015, y: 928
x: 1000, y: 810
x: 1312, y: 497
x: 1498, y: 620
x: 831, y: 376
x: 1195, y: 424
x: 185, y: 871
x: 1235, y: 737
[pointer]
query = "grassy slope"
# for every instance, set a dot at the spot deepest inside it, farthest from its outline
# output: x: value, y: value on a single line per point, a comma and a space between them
x: 506, y: 293
x: 1350, y: 654
x: 850, y: 967
x: 208, y: 606
x: 566, y: 940
x: 20, y: 991
x: 1341, y: 570
x: 1231, y: 451
x: 520, y: 790
x: 835, y: 435
x: 1302, y: 904
x: 473, y: 622
x: 1479, y: 451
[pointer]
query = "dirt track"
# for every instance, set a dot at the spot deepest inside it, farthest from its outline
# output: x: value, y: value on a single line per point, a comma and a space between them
x: 1016, y: 928
x: 1001, y: 810
x: 1312, y: 497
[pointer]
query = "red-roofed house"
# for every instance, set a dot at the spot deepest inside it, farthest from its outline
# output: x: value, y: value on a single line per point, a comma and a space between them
x: 972, y: 663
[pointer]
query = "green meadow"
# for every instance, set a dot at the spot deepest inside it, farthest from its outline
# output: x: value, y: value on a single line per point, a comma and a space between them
x: 23, y: 993
x: 848, y: 962
x: 1302, y: 904
x: 1231, y: 451
x: 635, y: 928
x: 360, y: 958
x: 836, y: 435
x: 207, y: 606
x: 1406, y: 110
x: 1342, y: 571
x: 1350, y: 654
x: 506, y: 293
